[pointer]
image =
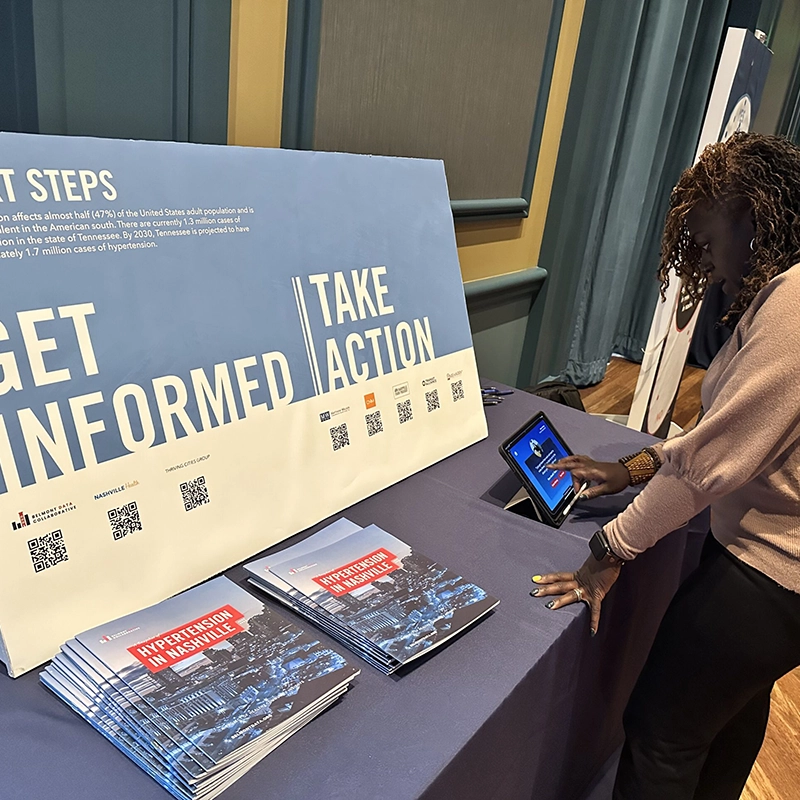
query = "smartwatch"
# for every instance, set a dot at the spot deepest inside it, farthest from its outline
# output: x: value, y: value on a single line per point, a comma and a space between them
x: 601, y: 549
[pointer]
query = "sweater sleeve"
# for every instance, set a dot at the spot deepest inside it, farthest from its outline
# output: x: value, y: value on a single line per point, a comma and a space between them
x: 754, y: 415
x: 666, y: 503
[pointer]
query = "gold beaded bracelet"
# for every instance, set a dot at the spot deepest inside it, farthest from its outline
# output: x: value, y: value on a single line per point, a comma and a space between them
x: 641, y: 466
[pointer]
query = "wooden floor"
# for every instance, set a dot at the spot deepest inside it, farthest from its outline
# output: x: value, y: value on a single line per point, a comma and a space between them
x: 614, y: 394
x: 776, y: 774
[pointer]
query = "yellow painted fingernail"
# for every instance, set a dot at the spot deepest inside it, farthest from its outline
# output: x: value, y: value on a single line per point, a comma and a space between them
x: 536, y: 578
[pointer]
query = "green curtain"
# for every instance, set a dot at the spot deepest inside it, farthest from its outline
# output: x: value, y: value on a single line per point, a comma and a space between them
x: 642, y: 76
x: 151, y: 69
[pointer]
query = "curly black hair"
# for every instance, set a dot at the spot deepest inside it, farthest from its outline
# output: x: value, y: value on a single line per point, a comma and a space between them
x: 761, y: 170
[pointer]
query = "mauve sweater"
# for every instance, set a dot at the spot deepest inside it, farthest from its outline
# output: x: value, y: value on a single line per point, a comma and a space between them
x: 743, y: 457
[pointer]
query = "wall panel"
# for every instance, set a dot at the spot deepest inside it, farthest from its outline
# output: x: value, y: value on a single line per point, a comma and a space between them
x: 145, y: 70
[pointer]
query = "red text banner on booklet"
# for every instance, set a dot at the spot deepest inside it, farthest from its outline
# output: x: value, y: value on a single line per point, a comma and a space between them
x: 191, y: 336
x: 344, y: 580
x: 167, y: 649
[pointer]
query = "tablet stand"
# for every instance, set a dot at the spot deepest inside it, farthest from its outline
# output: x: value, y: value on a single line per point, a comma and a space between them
x: 522, y: 504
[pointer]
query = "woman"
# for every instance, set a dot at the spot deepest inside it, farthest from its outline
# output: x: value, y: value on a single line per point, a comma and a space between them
x: 696, y: 719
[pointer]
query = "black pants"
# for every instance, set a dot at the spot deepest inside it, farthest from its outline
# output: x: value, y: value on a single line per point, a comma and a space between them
x: 697, y: 716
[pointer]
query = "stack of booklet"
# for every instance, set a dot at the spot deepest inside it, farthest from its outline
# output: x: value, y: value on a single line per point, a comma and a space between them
x: 372, y: 592
x: 199, y: 688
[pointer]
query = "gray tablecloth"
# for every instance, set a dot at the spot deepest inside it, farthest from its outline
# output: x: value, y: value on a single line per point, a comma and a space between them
x: 524, y: 705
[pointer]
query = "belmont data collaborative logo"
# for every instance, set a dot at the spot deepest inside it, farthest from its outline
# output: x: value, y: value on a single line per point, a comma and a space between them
x: 295, y: 570
x: 24, y: 520
x: 113, y: 636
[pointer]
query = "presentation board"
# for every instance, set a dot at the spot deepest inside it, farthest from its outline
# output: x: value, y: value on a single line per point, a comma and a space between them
x: 204, y: 350
x: 735, y: 97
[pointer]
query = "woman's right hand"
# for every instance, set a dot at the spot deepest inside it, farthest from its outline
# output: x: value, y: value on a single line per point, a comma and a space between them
x: 604, y: 477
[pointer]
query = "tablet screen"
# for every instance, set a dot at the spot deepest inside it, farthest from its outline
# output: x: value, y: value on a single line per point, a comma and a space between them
x: 532, y: 451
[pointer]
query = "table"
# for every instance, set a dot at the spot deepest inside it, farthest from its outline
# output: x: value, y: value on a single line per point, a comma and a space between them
x: 523, y: 705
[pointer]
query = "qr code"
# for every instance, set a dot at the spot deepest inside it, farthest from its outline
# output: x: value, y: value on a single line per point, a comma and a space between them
x: 432, y: 399
x: 124, y: 520
x: 339, y: 437
x: 194, y: 493
x: 47, y: 551
x: 374, y: 423
x: 404, y: 411
x: 457, y: 388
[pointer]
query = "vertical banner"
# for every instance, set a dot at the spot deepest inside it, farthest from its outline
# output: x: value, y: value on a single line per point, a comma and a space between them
x: 735, y: 97
x: 204, y: 350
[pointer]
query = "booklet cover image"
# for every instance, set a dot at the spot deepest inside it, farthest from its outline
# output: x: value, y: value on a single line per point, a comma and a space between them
x: 381, y: 588
x: 218, y: 665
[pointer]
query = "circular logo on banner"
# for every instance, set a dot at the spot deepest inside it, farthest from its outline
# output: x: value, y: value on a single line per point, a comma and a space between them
x: 739, y: 119
x: 686, y: 308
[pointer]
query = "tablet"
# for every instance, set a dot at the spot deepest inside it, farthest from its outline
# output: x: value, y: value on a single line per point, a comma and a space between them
x: 527, y: 452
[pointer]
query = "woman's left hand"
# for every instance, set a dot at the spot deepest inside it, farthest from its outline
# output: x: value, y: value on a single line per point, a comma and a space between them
x: 590, y: 584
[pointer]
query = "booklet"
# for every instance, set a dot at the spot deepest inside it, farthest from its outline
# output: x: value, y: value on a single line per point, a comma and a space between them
x: 372, y: 592
x: 198, y: 688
